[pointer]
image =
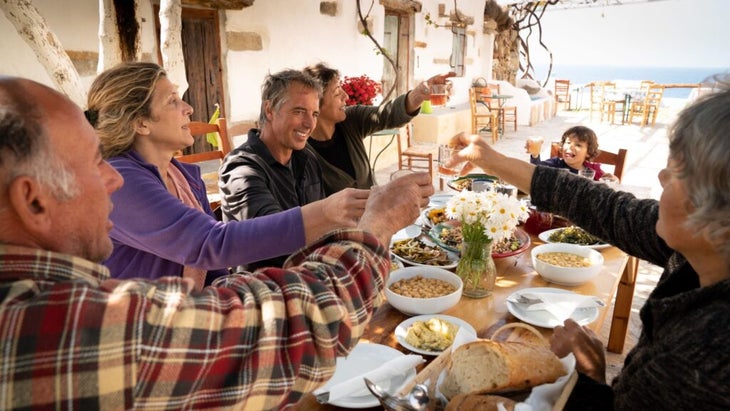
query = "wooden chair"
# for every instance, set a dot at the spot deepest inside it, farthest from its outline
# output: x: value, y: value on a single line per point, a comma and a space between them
x: 209, y: 161
x: 597, y: 92
x: 504, y: 113
x: 636, y: 107
x: 622, y: 306
x: 649, y: 106
x: 617, y: 160
x: 562, y: 93
x: 415, y: 157
x: 482, y: 117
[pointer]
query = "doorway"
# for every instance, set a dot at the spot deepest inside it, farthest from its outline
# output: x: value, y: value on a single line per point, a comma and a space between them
x: 200, y: 38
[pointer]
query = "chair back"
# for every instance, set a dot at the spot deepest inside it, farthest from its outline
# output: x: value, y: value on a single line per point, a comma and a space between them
x: 562, y: 92
x: 209, y: 161
x: 654, y: 95
x: 617, y: 160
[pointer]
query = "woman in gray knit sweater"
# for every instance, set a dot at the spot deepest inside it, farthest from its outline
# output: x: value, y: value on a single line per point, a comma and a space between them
x: 681, y: 359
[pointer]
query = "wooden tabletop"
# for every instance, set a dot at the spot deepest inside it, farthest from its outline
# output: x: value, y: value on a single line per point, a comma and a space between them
x: 486, y: 315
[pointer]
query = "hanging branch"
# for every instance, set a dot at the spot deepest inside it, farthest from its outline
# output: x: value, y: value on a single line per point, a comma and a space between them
x: 526, y: 17
x: 366, y: 31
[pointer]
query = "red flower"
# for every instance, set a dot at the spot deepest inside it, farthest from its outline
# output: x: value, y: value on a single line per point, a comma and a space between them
x: 360, y: 90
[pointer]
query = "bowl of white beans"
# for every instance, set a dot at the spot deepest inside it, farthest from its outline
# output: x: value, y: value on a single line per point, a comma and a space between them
x: 423, y: 290
x: 566, y: 264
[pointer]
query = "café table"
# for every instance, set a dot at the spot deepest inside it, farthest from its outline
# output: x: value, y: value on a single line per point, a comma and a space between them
x: 488, y: 314
x: 501, y: 99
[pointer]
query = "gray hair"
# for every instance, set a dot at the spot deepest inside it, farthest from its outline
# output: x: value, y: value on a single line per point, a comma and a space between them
x: 275, y: 88
x: 699, y: 141
x: 25, y: 147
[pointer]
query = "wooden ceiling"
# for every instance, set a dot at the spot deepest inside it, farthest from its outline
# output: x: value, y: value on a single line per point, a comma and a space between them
x: 219, y: 4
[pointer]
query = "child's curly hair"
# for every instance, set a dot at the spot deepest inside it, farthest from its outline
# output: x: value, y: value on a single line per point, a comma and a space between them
x: 585, y: 135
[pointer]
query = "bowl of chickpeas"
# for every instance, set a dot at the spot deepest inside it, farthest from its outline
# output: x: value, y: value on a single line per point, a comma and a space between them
x: 566, y: 264
x: 423, y: 290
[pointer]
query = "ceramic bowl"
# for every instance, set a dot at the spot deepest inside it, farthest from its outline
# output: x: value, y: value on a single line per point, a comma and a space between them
x: 567, y: 275
x: 419, y: 306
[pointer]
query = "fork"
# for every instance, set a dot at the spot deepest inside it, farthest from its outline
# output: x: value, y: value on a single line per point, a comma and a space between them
x: 416, y: 400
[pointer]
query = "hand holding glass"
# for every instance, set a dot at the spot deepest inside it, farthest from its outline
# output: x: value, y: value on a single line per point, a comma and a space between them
x: 445, y: 154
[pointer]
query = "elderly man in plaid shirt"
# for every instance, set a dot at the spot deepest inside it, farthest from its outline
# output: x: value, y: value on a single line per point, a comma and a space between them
x: 72, y: 338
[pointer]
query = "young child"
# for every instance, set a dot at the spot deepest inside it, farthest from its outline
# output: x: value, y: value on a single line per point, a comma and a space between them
x: 579, y: 145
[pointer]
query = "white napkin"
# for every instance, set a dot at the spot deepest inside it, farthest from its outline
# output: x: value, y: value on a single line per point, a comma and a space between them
x: 356, y: 385
x: 561, y: 305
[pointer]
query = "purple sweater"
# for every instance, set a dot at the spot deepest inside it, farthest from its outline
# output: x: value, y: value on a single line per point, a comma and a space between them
x: 155, y: 234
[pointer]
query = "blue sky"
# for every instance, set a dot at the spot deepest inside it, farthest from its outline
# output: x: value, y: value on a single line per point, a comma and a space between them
x: 670, y: 33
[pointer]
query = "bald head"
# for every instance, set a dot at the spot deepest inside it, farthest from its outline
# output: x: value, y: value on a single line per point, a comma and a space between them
x: 51, y: 173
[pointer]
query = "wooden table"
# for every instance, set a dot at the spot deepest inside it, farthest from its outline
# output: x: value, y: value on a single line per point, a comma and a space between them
x: 486, y: 315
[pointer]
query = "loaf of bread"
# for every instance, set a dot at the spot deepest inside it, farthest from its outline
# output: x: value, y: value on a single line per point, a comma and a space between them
x: 486, y: 366
x: 480, y: 402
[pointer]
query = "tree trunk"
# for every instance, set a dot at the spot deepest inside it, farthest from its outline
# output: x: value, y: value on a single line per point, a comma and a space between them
x: 171, y: 43
x: 109, y: 51
x: 33, y: 29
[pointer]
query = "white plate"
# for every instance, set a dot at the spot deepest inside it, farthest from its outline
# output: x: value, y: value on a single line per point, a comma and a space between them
x: 453, y: 258
x: 402, y: 330
x: 545, y: 235
x: 363, y: 358
x: 412, y: 231
x: 439, y: 200
x: 542, y: 318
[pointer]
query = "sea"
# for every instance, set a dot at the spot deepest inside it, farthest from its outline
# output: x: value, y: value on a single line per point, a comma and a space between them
x: 584, y: 74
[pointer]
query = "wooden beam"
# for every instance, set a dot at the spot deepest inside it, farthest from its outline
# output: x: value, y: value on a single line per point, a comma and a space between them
x: 219, y: 4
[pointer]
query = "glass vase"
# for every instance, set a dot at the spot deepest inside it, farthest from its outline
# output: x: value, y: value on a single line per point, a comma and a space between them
x: 476, y: 268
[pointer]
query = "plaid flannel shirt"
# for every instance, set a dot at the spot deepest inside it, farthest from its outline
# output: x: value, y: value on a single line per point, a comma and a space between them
x: 71, y: 338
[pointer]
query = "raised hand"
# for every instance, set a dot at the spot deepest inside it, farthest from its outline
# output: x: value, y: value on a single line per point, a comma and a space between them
x: 395, y: 205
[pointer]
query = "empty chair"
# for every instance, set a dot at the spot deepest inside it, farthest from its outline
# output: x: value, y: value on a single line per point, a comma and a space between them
x: 505, y: 113
x: 562, y: 93
x: 649, y: 107
x: 413, y: 156
x: 598, y: 91
x: 614, y: 102
x: 481, y: 116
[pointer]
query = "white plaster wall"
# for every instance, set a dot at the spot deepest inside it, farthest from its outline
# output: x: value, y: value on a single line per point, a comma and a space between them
x: 294, y: 35
x: 76, y: 25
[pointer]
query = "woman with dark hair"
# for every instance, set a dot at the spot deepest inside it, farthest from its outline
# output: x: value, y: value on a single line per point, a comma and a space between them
x: 338, y: 137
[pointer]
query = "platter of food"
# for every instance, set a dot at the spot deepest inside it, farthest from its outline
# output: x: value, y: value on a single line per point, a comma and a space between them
x: 430, y: 334
x: 448, y: 235
x: 572, y: 235
x: 465, y: 182
x: 415, y: 251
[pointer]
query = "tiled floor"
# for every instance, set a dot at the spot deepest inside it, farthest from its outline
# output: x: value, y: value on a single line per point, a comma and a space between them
x: 647, y: 154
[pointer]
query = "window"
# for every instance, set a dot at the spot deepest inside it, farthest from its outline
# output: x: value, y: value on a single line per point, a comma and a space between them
x: 458, y: 49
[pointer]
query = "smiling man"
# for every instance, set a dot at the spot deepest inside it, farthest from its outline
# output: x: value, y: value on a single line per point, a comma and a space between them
x: 274, y: 170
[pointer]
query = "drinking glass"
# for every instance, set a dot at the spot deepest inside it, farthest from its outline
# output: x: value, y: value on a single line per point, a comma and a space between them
x: 438, y: 94
x: 610, y: 180
x: 534, y: 145
x: 588, y: 173
x: 445, y: 153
